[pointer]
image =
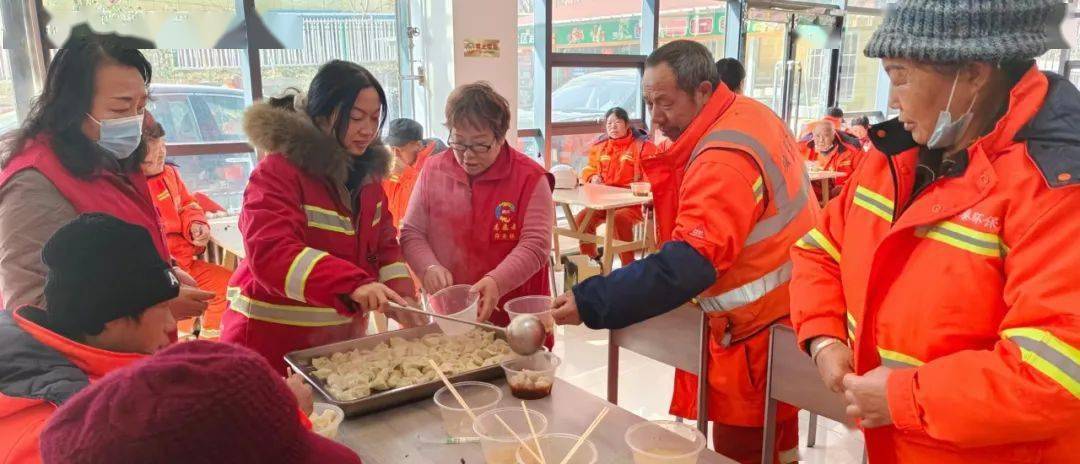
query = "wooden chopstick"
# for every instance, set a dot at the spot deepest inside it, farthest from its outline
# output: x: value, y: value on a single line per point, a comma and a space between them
x: 532, y: 430
x: 585, y: 435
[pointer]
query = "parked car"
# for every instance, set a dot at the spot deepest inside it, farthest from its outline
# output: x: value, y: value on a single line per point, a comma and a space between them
x: 588, y: 96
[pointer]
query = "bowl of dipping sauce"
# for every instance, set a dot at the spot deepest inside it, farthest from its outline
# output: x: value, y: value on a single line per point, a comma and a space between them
x: 531, y: 377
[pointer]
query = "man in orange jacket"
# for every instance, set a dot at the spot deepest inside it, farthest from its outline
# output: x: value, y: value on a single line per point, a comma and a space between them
x: 939, y: 292
x: 186, y: 229
x: 108, y: 292
x: 730, y: 194
x: 831, y: 153
x: 615, y: 160
x: 406, y: 142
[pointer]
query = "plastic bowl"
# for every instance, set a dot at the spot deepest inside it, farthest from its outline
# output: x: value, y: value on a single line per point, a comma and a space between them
x: 665, y: 442
x: 531, y: 377
x: 537, y: 305
x: 498, y: 444
x: 456, y: 302
x: 640, y: 189
x: 330, y: 429
x: 479, y: 396
x: 555, y: 446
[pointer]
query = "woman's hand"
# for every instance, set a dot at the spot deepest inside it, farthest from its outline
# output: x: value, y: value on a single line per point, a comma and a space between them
x: 437, y: 278
x: 489, y: 297
x: 200, y: 234
x: 302, y: 391
x: 373, y: 297
x: 409, y: 319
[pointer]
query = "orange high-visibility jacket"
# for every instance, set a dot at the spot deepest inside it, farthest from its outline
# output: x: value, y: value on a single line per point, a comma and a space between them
x: 618, y: 161
x: 968, y: 290
x: 399, y: 185
x: 178, y: 210
x: 734, y: 187
x: 842, y: 158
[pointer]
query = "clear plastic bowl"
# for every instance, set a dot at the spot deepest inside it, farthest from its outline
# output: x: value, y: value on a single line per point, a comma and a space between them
x: 480, y: 397
x: 555, y: 446
x: 640, y: 189
x: 457, y: 302
x: 536, y: 383
x: 665, y: 442
x: 498, y: 444
x: 537, y: 305
x: 329, y: 430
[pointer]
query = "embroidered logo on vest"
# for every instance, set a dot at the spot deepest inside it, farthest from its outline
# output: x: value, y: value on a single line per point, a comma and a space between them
x: 505, y: 228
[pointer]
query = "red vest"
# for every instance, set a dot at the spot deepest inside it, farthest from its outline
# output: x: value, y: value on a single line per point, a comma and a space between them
x: 125, y: 196
x: 492, y: 227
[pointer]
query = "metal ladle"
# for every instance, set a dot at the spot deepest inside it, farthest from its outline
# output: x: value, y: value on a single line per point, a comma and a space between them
x: 525, y: 334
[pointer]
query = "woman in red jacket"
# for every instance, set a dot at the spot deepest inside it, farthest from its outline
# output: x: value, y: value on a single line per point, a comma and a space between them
x: 321, y: 248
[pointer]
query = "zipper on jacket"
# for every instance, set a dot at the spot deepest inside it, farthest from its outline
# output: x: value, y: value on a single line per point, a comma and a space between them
x: 896, y: 190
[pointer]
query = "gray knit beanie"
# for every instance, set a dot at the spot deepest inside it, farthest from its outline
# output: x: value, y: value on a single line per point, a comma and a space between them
x: 956, y: 31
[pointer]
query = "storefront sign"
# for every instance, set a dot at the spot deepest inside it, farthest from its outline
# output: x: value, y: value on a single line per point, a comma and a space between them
x: 482, y: 48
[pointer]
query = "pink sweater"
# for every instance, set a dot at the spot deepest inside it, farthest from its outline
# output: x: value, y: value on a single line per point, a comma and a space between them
x: 528, y: 256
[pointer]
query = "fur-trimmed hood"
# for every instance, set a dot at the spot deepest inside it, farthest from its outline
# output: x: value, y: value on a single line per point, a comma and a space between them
x: 294, y: 135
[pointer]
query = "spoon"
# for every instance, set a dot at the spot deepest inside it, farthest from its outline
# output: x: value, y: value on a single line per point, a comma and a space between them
x: 525, y: 334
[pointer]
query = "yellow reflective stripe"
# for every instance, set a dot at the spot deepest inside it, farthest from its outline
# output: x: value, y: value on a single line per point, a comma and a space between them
x: 759, y: 189
x: 163, y: 195
x: 965, y: 238
x: 321, y: 218
x: 378, y: 214
x: 299, y: 270
x: 304, y: 316
x: 626, y: 158
x: 1049, y: 355
x: 605, y: 158
x: 896, y: 359
x: 851, y: 325
x: 874, y: 202
x: 394, y: 271
x: 817, y: 240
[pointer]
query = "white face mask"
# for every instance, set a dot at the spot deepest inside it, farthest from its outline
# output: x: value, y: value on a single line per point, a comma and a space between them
x: 120, y: 136
x: 947, y: 131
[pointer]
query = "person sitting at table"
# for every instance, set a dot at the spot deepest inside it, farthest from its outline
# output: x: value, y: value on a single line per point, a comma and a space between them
x: 192, y: 402
x: 186, y: 230
x: 615, y: 160
x: 860, y: 128
x: 321, y: 250
x: 830, y: 153
x: 109, y: 291
x: 405, y: 138
x: 482, y: 211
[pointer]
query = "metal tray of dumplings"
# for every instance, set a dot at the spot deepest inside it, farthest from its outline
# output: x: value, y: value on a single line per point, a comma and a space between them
x: 300, y: 361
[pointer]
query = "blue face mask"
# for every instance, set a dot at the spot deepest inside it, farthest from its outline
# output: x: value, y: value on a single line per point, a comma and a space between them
x: 120, y: 136
x: 947, y: 131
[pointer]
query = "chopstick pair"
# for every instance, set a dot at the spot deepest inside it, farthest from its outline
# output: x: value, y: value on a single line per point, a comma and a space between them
x: 588, y: 431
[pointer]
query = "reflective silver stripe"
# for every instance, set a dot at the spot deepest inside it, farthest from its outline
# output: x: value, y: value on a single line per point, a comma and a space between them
x: 787, y: 208
x: 296, y: 278
x: 306, y: 316
x: 325, y: 219
x: 1059, y: 367
x: 748, y: 293
x: 393, y: 271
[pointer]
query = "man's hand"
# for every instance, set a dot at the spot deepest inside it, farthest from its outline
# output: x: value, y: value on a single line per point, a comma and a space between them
x: 191, y: 302
x: 437, y: 278
x: 488, y: 290
x: 408, y: 319
x: 373, y: 297
x: 565, y: 310
x: 866, y: 397
x: 200, y: 234
x: 302, y: 392
x: 833, y: 363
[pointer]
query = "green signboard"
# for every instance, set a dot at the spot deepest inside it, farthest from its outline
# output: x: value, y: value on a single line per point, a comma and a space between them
x: 606, y: 31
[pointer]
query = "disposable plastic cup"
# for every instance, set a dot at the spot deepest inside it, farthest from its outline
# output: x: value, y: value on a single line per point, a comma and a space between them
x: 555, y: 446
x: 498, y: 444
x: 456, y: 302
x: 531, y: 377
x: 537, y: 305
x: 665, y: 442
x: 329, y: 430
x: 480, y: 397
x: 640, y: 189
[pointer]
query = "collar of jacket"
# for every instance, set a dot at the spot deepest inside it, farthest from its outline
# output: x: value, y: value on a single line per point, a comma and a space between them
x: 295, y: 136
x: 682, y: 149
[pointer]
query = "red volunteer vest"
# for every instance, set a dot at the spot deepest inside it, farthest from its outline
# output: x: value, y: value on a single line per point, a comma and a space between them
x: 492, y: 227
x: 125, y: 196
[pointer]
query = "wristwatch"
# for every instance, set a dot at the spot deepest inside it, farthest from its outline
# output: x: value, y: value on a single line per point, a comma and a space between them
x: 819, y: 344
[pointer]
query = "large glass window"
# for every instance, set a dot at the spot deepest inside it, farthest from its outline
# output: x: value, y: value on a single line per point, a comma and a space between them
x: 765, y: 45
x: 597, y: 26
x: 526, y: 73
x: 167, y: 23
x: 8, y: 118
x: 572, y: 149
x: 702, y: 21
x: 860, y: 77
x: 585, y: 94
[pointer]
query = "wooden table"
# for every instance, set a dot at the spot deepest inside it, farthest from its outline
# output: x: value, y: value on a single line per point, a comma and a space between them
x: 595, y: 197
x: 825, y: 179
x: 226, y: 244
x: 404, y: 435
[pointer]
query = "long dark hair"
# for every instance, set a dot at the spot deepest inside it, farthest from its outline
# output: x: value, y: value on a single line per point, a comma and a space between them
x: 334, y: 88
x: 68, y: 96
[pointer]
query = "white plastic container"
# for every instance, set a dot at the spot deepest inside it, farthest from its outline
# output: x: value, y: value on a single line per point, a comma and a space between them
x: 328, y: 429
x: 480, y: 397
x: 665, y: 442
x: 457, y: 302
x: 498, y: 444
x: 537, y: 305
x: 555, y: 446
x: 640, y: 189
x: 531, y: 377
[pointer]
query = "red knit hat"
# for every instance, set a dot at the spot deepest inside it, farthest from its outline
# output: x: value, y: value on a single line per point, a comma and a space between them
x: 195, y: 402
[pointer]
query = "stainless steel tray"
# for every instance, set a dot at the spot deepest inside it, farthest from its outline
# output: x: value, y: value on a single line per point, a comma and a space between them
x: 300, y: 361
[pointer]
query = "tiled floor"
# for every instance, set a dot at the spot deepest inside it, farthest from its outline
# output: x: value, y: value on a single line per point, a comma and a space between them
x: 645, y: 389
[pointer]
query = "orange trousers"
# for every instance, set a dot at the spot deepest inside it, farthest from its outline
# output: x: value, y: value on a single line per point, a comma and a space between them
x: 212, y: 278
x: 743, y: 444
x: 625, y: 220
